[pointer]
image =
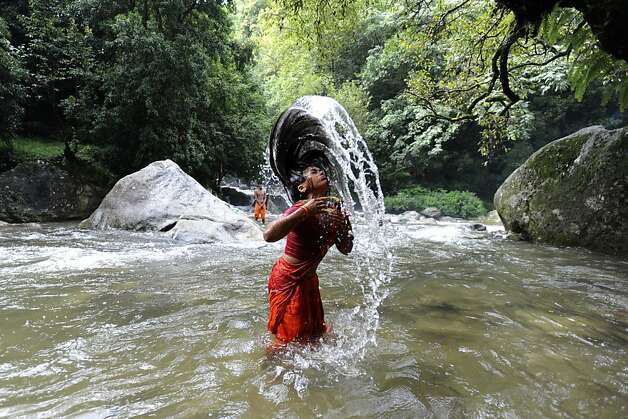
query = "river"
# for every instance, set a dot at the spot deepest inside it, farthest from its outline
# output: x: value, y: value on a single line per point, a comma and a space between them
x: 115, y: 323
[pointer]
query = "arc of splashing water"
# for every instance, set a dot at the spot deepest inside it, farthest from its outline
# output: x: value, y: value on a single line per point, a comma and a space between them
x: 319, y: 126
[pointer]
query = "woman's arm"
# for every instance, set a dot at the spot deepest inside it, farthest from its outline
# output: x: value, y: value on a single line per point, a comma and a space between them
x: 344, y: 238
x: 279, y: 228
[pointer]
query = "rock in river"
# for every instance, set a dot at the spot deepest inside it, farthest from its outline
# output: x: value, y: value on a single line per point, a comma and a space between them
x: 163, y: 197
x: 46, y: 191
x: 277, y: 203
x: 236, y: 196
x: 573, y: 191
x: 432, y: 212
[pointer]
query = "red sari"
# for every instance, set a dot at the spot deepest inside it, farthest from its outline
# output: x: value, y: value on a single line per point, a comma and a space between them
x: 296, y: 309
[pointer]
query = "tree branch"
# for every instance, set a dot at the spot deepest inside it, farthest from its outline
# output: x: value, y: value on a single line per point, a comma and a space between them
x: 544, y: 63
x: 491, y: 84
x: 434, y: 113
x: 443, y: 19
x: 504, y: 78
x: 460, y: 90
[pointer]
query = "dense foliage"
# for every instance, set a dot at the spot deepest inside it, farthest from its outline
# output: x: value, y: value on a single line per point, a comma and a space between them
x: 11, y: 90
x: 419, y: 78
x: 136, y: 80
x: 451, y: 203
x: 448, y: 94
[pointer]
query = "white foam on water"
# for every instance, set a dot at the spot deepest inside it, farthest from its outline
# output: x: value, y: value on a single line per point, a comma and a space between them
x: 68, y: 259
x: 453, y: 232
x: 65, y: 249
x: 447, y: 233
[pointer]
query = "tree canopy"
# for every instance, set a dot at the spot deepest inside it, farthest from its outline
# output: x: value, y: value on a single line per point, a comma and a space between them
x: 138, y: 80
x: 448, y: 93
x: 432, y: 76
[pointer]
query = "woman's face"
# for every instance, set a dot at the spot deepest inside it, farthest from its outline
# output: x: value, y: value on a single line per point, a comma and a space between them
x: 318, y: 178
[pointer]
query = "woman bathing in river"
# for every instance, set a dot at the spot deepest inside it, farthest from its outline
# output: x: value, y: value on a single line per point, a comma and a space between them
x: 312, y: 225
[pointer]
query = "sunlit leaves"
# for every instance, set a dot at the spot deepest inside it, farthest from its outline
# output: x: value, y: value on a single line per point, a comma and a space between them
x: 432, y: 70
x: 586, y: 62
x: 356, y: 101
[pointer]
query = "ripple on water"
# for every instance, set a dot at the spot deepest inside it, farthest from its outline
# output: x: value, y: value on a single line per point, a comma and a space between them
x: 116, y: 324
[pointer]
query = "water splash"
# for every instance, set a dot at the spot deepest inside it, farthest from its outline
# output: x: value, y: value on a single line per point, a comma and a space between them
x: 321, y: 125
x: 270, y: 181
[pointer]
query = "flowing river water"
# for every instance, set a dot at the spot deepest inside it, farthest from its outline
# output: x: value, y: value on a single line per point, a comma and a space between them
x: 115, y: 323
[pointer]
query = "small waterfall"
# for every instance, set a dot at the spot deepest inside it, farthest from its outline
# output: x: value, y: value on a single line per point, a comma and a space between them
x: 317, y: 125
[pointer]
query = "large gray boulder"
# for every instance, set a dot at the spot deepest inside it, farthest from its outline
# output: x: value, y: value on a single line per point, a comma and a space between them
x: 163, y: 197
x: 46, y: 191
x: 573, y: 191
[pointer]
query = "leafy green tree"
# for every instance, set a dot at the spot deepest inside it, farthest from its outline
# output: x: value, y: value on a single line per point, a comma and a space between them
x: 287, y: 68
x: 477, y: 63
x: 173, y: 86
x: 293, y: 62
x: 53, y: 50
x: 356, y: 101
x: 136, y: 80
x: 452, y: 87
x: 11, y: 89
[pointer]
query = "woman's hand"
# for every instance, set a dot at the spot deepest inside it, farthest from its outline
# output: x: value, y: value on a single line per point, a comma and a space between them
x: 339, y: 218
x: 316, y: 205
x: 342, y: 221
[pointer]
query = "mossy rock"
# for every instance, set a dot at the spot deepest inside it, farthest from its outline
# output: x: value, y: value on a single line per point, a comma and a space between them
x: 573, y: 191
x: 46, y: 191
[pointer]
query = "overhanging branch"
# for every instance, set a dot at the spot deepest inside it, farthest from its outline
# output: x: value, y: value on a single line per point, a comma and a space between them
x: 504, y: 78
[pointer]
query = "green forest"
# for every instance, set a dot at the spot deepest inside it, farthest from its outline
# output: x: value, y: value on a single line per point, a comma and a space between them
x: 449, y: 95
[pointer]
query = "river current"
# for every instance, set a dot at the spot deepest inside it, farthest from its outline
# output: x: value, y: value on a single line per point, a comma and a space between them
x: 115, y: 323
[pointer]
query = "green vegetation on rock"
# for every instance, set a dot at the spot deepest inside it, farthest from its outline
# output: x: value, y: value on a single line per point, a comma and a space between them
x: 34, y: 148
x: 461, y: 204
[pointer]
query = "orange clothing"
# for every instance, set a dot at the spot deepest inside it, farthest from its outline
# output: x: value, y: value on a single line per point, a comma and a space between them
x: 296, y: 309
x: 260, y: 212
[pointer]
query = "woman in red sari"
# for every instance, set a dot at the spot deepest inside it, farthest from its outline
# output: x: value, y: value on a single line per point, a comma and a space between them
x: 312, y: 225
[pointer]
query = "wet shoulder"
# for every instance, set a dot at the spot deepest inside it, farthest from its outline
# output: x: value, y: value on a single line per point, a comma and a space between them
x: 293, y: 208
